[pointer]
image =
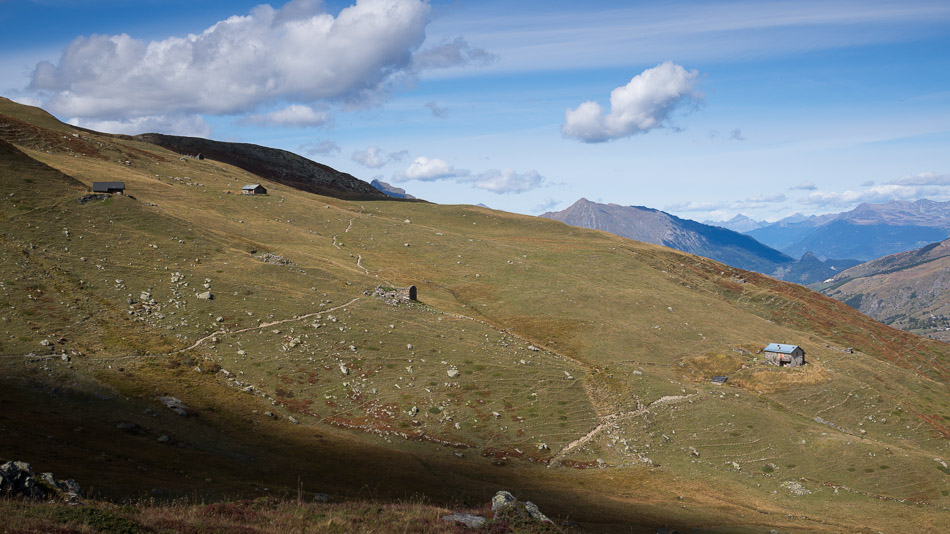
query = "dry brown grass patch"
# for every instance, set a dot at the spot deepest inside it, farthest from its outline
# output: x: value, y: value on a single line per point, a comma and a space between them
x: 768, y: 378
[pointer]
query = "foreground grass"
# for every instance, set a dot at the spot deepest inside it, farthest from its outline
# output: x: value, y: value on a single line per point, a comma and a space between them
x: 242, y: 516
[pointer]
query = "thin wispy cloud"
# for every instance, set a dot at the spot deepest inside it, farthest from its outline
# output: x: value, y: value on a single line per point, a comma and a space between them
x: 323, y: 147
x: 427, y: 169
x: 500, y: 181
x: 532, y: 39
x: 875, y: 194
x: 187, y: 125
x: 437, y: 110
x: 924, y: 178
x: 374, y: 158
x: 294, y: 115
x: 507, y: 181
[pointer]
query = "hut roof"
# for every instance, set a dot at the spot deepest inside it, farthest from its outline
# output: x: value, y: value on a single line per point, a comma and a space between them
x: 250, y: 187
x: 104, y: 187
x: 780, y: 348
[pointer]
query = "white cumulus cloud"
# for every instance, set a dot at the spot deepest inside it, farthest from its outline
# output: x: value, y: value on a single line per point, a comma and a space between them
x: 298, y: 54
x: 644, y: 104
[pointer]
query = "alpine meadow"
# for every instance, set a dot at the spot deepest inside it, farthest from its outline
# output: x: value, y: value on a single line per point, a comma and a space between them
x: 321, y: 267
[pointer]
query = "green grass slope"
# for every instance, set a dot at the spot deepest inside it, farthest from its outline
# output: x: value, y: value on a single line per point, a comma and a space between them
x: 566, y: 365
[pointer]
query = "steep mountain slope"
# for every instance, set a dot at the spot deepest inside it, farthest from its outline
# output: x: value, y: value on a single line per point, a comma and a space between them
x: 660, y: 228
x: 809, y: 269
x: 721, y: 244
x: 909, y: 290
x: 865, y: 233
x: 568, y: 365
x: 271, y: 164
x: 848, y: 239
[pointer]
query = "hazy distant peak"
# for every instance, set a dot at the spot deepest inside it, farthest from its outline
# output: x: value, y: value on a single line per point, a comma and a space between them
x: 390, y: 190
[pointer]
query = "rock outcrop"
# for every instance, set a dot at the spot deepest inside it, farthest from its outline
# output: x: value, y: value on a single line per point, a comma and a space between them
x: 17, y: 479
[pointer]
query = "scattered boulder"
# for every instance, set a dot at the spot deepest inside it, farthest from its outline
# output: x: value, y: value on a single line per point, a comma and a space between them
x: 206, y: 295
x: 505, y: 506
x: 453, y: 373
x: 175, y: 405
x: 17, y: 479
x: 127, y: 426
x: 469, y: 520
x: 501, y: 500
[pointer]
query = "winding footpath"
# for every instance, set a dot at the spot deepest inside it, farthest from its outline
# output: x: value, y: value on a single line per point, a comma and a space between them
x: 608, y: 420
x: 262, y: 325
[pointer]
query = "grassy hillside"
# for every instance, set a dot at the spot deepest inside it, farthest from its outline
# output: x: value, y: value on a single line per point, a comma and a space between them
x: 566, y: 365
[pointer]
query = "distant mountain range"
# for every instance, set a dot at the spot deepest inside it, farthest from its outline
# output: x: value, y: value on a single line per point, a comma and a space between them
x: 721, y: 244
x: 909, y: 290
x: 867, y: 232
x: 390, y: 190
x: 740, y: 223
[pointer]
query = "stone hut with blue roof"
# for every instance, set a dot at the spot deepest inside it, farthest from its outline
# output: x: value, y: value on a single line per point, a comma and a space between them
x: 781, y: 354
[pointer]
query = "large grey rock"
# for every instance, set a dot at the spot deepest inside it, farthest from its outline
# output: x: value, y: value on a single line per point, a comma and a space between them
x: 504, y: 504
x: 535, y: 513
x: 469, y: 520
x: 206, y: 296
x: 17, y: 479
x: 501, y: 500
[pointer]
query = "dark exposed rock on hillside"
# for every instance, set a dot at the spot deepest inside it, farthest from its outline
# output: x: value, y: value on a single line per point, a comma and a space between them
x: 273, y: 164
x: 17, y: 479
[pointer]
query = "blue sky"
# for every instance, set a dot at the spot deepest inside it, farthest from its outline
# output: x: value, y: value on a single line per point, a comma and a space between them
x: 703, y: 109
